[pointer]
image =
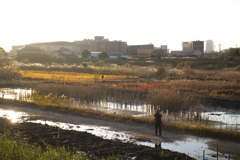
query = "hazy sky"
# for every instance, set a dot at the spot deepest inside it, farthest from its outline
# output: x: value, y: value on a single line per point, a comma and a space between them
x: 160, y: 22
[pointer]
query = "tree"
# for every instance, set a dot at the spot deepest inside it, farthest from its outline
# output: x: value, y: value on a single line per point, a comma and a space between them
x: 99, y: 63
x: 234, y: 52
x: 103, y: 55
x: 86, y: 53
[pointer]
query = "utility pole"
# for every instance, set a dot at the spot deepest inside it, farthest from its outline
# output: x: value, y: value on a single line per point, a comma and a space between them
x: 219, y: 47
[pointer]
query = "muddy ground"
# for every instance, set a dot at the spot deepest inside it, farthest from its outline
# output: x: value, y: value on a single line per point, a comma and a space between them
x: 88, y: 143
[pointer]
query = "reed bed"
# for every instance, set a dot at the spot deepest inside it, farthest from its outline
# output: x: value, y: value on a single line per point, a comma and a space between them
x: 185, y: 127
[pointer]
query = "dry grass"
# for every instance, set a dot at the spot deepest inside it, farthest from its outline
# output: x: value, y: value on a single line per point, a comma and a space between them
x: 196, y: 128
x: 69, y: 76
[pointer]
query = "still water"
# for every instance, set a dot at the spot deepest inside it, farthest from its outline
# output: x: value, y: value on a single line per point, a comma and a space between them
x: 221, y: 119
x: 193, y: 147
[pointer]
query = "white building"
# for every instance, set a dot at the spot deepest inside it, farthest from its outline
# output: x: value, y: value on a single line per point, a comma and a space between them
x: 209, y: 46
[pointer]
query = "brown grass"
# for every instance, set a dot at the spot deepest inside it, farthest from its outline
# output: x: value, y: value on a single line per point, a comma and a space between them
x: 198, y: 128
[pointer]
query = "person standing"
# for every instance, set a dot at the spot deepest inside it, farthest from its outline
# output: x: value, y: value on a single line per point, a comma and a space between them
x: 158, y: 122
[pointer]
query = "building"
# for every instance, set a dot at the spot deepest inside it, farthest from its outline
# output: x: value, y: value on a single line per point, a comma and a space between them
x: 50, y: 47
x: 64, y: 53
x: 29, y: 51
x: 209, y: 46
x: 198, y: 45
x: 187, y: 46
x: 181, y: 53
x: 193, y: 46
x: 99, y: 44
x: 140, y: 49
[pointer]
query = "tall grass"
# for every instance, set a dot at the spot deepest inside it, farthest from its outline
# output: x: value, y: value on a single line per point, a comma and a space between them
x: 9, y: 74
x: 13, y: 147
x: 186, y: 127
x: 174, y: 102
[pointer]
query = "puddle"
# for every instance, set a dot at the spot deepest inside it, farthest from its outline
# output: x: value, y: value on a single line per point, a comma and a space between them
x: 17, y: 94
x: 223, y: 119
x: 191, y: 146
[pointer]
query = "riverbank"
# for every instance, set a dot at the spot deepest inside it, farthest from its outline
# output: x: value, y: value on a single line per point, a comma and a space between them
x: 94, y: 147
x: 196, y: 129
x: 176, y: 141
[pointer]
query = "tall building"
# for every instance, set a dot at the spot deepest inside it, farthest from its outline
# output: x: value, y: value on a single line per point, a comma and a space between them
x: 209, y: 46
x: 99, y: 44
x: 198, y: 46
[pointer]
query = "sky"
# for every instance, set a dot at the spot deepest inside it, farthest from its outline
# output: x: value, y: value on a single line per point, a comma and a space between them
x: 160, y: 22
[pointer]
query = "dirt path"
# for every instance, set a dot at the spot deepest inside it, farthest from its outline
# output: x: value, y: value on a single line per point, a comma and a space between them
x: 135, y: 131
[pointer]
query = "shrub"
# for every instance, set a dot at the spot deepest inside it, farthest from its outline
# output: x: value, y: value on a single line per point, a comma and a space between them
x: 4, y: 61
x: 153, y: 56
x: 188, y: 71
x: 209, y: 67
x: 99, y: 63
x: 180, y: 65
x: 237, y: 68
x: 190, y: 64
x: 9, y: 74
x: 84, y: 65
x: 160, y: 70
x: 127, y: 65
x: 90, y: 63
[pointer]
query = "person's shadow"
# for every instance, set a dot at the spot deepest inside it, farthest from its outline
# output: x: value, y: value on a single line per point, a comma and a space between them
x: 158, y: 145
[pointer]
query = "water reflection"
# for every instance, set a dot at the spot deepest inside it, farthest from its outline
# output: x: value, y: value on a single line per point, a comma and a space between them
x: 17, y: 94
x: 192, y: 146
x: 223, y: 119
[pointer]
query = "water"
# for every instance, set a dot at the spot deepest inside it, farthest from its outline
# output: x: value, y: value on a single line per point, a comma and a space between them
x: 191, y: 146
x: 221, y: 119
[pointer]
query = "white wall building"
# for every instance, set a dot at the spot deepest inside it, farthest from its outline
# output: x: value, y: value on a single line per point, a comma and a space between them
x: 209, y: 46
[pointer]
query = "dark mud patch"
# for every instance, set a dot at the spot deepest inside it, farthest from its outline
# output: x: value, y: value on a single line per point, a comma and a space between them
x: 93, y: 146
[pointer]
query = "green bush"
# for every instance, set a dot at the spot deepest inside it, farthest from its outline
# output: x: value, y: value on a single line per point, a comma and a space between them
x: 99, y: 63
x: 4, y: 61
x: 15, y: 147
x: 84, y: 65
x: 237, y: 68
x: 90, y: 63
x: 190, y: 64
x: 209, y: 67
x: 180, y: 65
x: 188, y: 71
x: 160, y: 70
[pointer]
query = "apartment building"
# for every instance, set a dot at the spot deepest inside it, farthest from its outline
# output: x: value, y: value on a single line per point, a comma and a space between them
x: 193, y: 46
x: 99, y: 44
x: 209, y: 46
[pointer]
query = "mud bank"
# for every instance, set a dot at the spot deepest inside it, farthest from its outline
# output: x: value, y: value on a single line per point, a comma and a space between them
x: 93, y: 146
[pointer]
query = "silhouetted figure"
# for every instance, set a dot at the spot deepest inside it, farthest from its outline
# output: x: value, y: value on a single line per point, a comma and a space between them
x: 158, y: 122
x: 102, y: 77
